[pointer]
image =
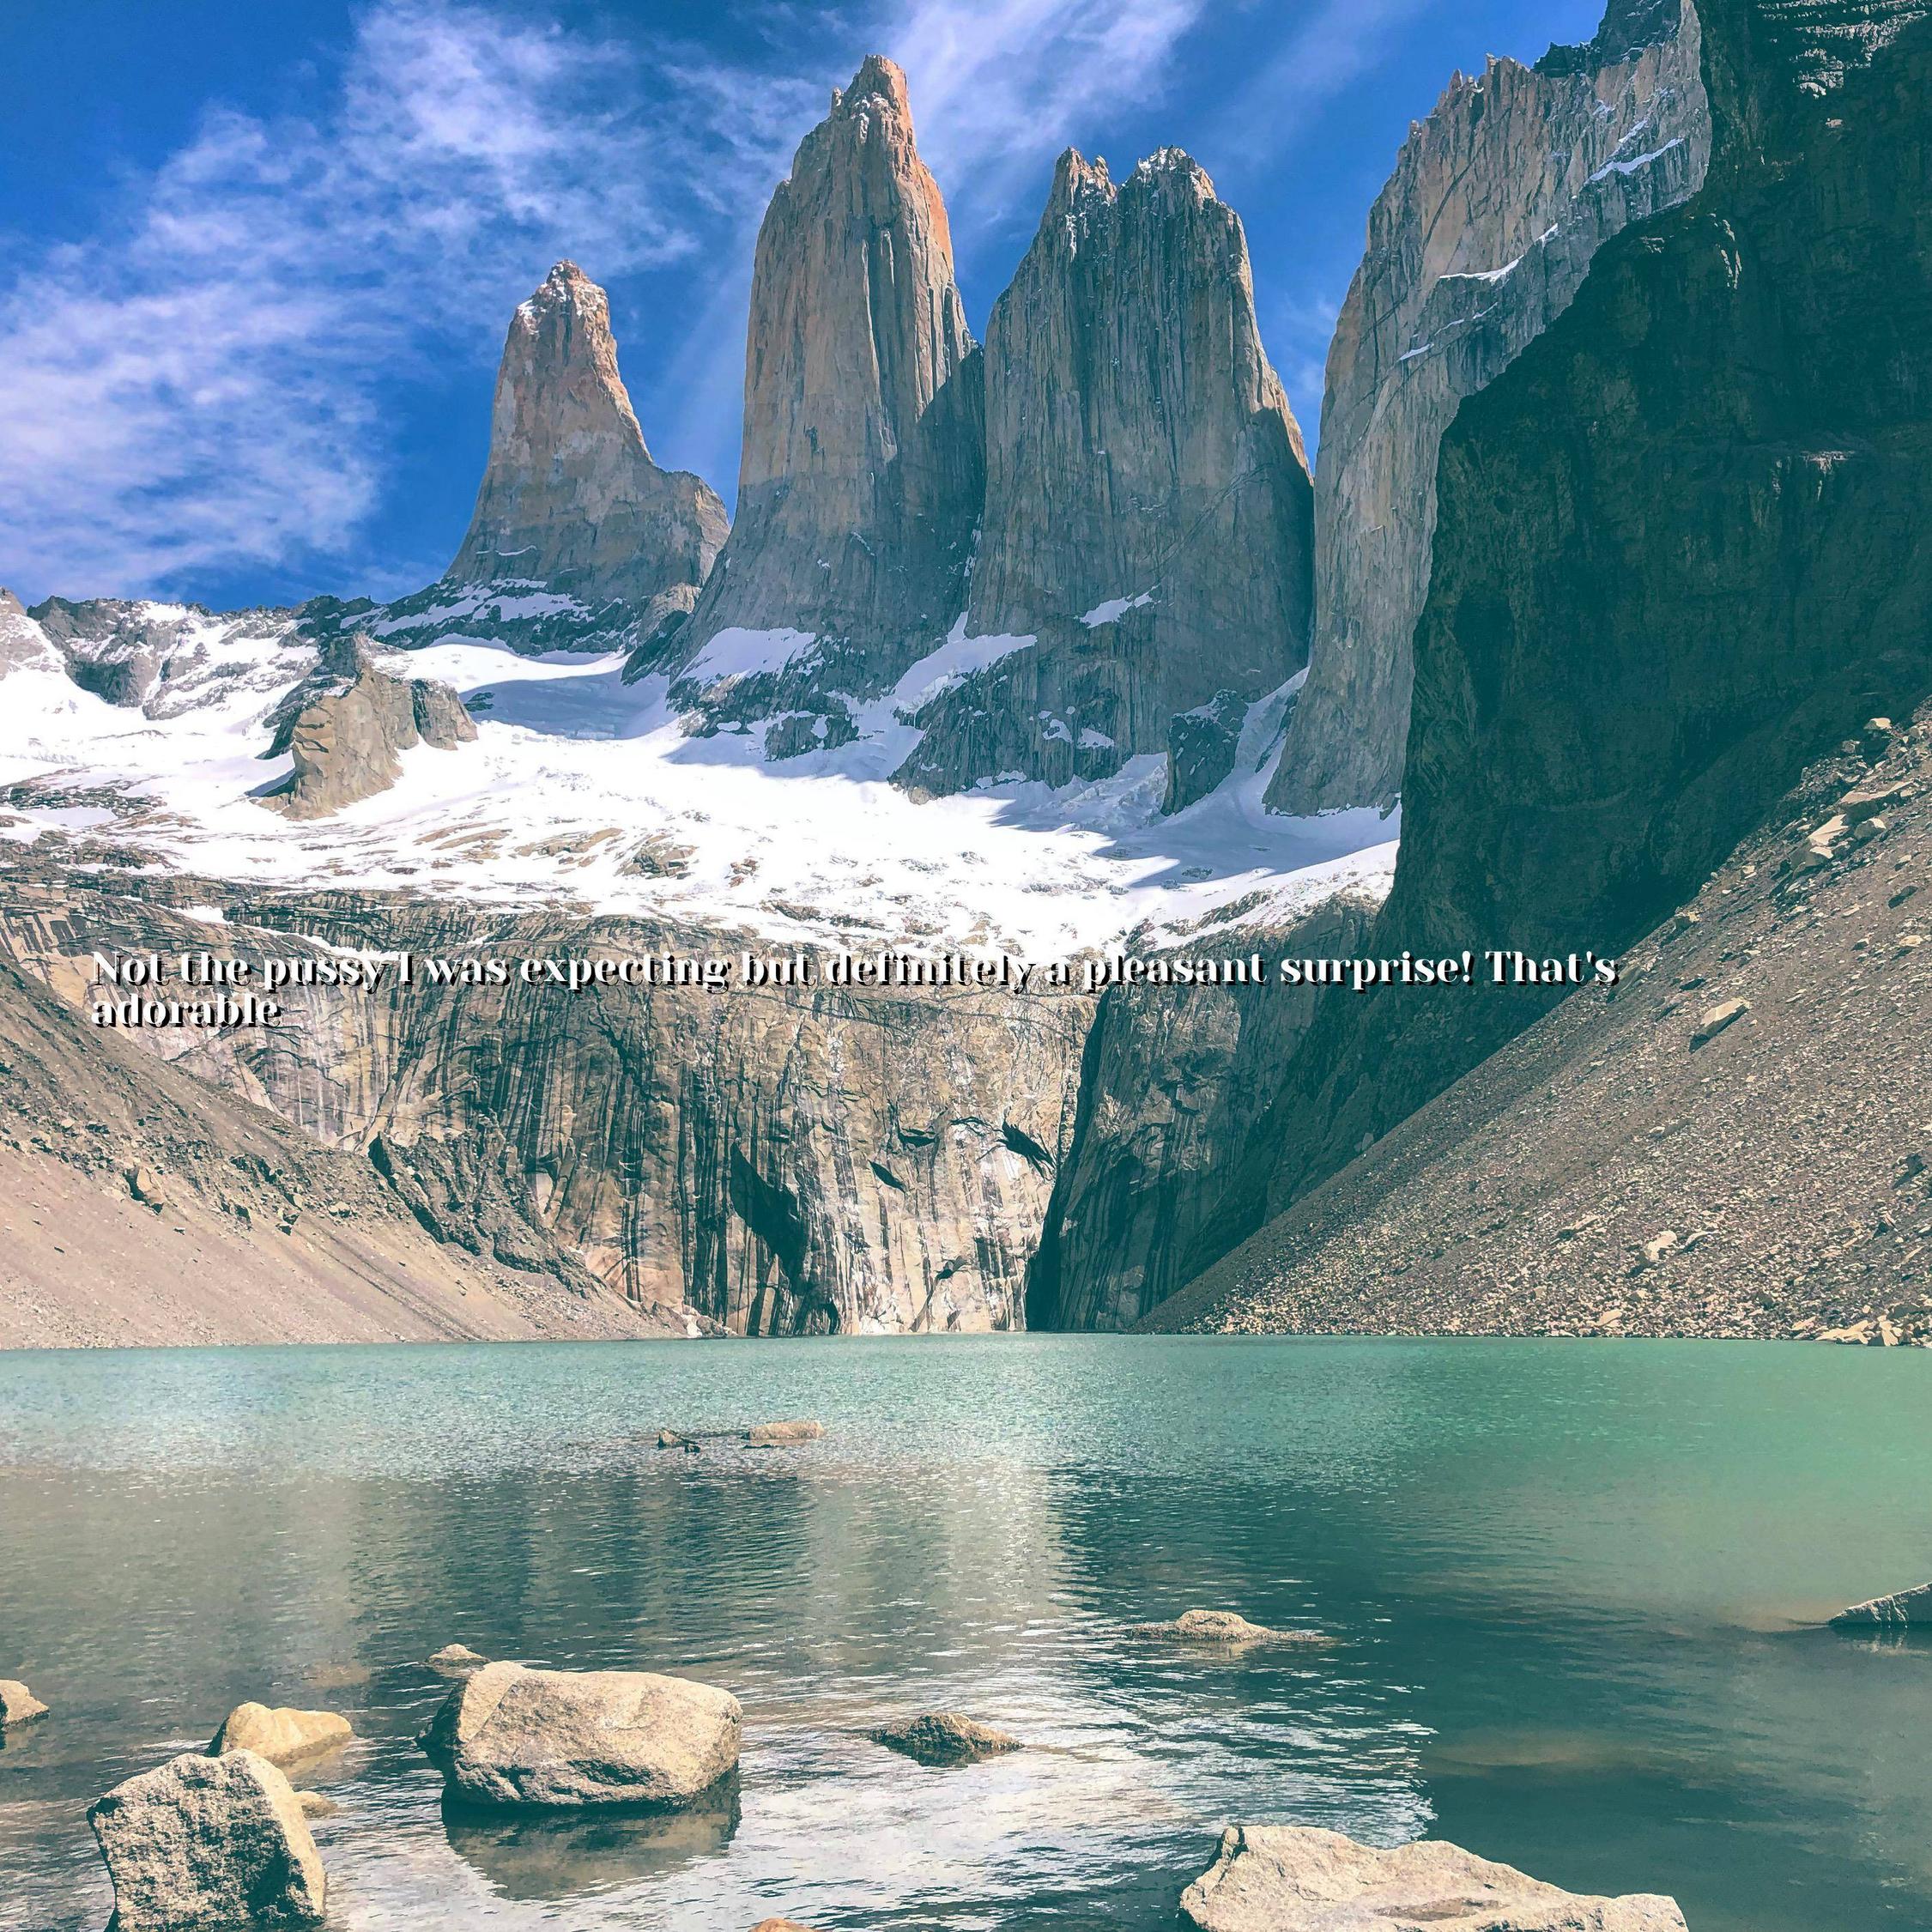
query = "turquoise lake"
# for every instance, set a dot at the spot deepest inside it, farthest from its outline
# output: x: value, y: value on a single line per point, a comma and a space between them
x: 1576, y: 1584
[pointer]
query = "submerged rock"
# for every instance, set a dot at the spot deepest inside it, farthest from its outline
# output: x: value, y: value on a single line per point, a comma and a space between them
x: 943, y: 1737
x: 18, y: 1705
x: 1290, y: 1878
x: 314, y: 1805
x: 456, y: 1660
x: 280, y: 1735
x: 1224, y: 1629
x: 778, y: 1435
x: 510, y: 1735
x: 208, y: 1842
x: 1907, y: 1606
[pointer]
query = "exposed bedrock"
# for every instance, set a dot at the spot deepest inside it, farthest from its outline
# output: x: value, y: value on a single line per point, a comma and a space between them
x: 1498, y: 202
x: 777, y: 1160
x: 1149, y: 514
x: 347, y: 726
x: 1173, y: 1084
x: 579, y: 540
x: 860, y: 480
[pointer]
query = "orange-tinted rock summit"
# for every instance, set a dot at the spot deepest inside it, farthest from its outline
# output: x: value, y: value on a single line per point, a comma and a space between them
x: 859, y: 482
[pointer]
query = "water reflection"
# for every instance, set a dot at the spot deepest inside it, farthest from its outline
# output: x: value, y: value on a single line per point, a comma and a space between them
x: 567, y: 1857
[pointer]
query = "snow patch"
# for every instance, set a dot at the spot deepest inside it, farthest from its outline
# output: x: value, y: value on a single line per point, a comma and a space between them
x: 736, y: 651
x: 1612, y: 167
x: 1114, y: 609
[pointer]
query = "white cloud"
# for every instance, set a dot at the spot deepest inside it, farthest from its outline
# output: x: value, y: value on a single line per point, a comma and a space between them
x: 997, y: 88
x: 193, y: 390
x: 1332, y: 45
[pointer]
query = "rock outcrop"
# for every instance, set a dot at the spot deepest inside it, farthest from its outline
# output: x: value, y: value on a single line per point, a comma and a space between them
x: 165, y: 659
x: 943, y: 1737
x: 1175, y: 1096
x: 282, y: 1735
x: 1480, y: 240
x: 1149, y: 514
x: 1225, y: 1630
x: 18, y: 1705
x: 1894, y: 1612
x: 1675, y: 569
x: 572, y: 517
x: 859, y: 484
x: 346, y: 727
x: 456, y: 1659
x: 1289, y: 1878
x: 206, y: 1845
x: 564, y: 1739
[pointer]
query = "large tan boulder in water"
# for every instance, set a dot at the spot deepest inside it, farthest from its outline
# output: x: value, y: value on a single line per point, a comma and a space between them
x: 510, y: 1735
x: 1289, y: 1878
x: 280, y: 1735
x: 204, y: 1842
x: 18, y: 1705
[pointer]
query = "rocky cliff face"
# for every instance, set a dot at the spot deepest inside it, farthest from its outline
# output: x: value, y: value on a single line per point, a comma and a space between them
x: 144, y: 1207
x: 1147, y: 512
x: 1734, y: 1145
x: 1172, y: 1087
x: 1678, y: 558
x: 347, y: 726
x: 859, y: 484
x: 793, y: 1160
x: 165, y: 659
x: 1499, y: 202
x: 579, y: 540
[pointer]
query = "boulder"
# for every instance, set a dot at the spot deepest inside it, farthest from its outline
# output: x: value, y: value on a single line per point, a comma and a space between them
x: 1908, y: 1606
x: 18, y: 1705
x: 314, y: 1805
x: 1286, y: 1878
x: 778, y: 1435
x: 456, y: 1660
x: 510, y: 1735
x: 943, y: 1737
x: 1224, y: 1629
x: 1716, y: 1019
x: 208, y: 1842
x: 280, y: 1735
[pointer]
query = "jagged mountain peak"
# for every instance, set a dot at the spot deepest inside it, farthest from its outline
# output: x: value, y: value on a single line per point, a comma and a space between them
x: 878, y: 78
x: 571, y: 507
x: 858, y: 484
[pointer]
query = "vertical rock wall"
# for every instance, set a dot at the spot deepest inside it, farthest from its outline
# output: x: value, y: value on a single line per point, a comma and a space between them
x: 1149, y: 511
x: 1499, y: 202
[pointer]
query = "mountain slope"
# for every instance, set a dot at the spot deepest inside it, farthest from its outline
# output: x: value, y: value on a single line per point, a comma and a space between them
x: 1780, y: 1173
x: 139, y: 1205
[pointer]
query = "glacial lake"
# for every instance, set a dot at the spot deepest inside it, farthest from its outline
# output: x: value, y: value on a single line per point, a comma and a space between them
x: 1570, y: 1582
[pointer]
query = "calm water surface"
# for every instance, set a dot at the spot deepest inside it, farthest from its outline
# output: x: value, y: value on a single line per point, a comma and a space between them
x: 1568, y: 1579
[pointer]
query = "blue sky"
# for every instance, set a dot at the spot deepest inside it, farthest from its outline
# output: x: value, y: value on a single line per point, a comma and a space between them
x: 258, y: 259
